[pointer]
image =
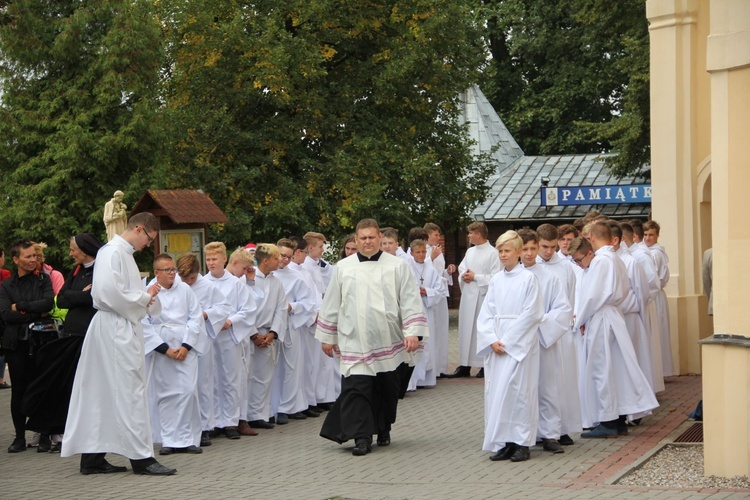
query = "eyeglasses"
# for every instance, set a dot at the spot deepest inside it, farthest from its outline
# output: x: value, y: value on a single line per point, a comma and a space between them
x: 580, y: 261
x: 150, y: 239
x: 285, y: 257
x: 168, y: 270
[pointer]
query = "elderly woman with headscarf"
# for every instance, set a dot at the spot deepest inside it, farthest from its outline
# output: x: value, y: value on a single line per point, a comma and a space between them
x: 47, y: 399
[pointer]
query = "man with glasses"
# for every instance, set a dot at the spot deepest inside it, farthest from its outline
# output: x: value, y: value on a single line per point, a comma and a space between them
x: 612, y: 384
x: 174, y: 339
x: 108, y: 409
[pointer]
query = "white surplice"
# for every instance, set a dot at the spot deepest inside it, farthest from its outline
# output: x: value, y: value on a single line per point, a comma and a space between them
x: 173, y: 385
x: 228, y: 351
x: 570, y: 399
x: 511, y: 313
x: 441, y: 330
x: 613, y: 383
x: 484, y: 261
x: 662, y: 307
x: 216, y: 307
x: 425, y: 373
x: 554, y: 326
x: 108, y: 409
x: 366, y: 320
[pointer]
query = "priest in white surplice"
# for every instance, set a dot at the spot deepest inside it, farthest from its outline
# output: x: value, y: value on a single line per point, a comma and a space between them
x: 613, y: 385
x: 108, y: 407
x: 173, y: 341
x: 475, y: 272
x: 508, y: 342
x: 373, y: 315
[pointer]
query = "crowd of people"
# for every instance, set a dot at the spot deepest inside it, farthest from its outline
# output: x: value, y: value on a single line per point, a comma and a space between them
x: 565, y: 329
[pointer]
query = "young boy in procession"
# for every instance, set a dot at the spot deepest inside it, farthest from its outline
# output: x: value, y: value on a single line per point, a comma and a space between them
x: 508, y: 342
x: 562, y: 269
x: 288, y: 396
x: 613, y: 385
x: 554, y: 326
x: 389, y: 242
x: 215, y: 311
x: 173, y: 341
x: 476, y: 270
x: 432, y: 290
x: 439, y: 335
x: 566, y: 234
x: 227, y: 349
x: 651, y: 240
x: 270, y: 325
x: 242, y: 266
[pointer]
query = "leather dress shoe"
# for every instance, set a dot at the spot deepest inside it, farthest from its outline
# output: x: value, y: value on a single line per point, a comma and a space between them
x: 552, y: 445
x: 480, y: 373
x: 18, y: 445
x: 232, y: 432
x: 192, y: 449
x: 504, y: 453
x: 246, y: 430
x: 622, y: 429
x: 362, y: 447
x: 260, y: 424
x: 166, y: 450
x: 325, y: 406
x: 297, y: 416
x: 461, y: 371
x: 45, y: 445
x: 384, y: 438
x: 521, y: 454
x: 282, y: 418
x: 566, y: 440
x: 600, y: 432
x: 155, y: 469
x: 103, y: 468
x: 56, y: 448
x: 205, y: 438
x: 310, y: 413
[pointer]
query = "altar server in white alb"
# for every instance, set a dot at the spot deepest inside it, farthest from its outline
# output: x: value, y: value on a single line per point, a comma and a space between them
x: 439, y: 334
x: 554, y: 326
x: 476, y: 270
x: 651, y: 240
x: 227, y: 349
x: 613, y: 385
x: 373, y: 315
x: 432, y: 290
x: 108, y: 410
x: 562, y: 268
x: 173, y: 341
x: 215, y: 310
x: 288, y: 398
x: 271, y: 326
x: 508, y: 342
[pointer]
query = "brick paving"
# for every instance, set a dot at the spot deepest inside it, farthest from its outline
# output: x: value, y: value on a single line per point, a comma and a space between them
x: 436, y: 453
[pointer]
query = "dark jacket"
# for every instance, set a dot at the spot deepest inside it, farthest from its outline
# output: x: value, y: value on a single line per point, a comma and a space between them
x: 34, y: 299
x: 80, y: 304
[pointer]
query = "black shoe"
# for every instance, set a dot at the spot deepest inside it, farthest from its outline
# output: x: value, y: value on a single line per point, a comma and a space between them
x: 325, y: 406
x: 282, y: 418
x: 155, y: 469
x: 232, y: 432
x: 56, y: 448
x: 552, y: 445
x: 315, y: 408
x: 218, y: 431
x: 103, y: 468
x: 44, y: 444
x: 205, y: 439
x: 361, y: 448
x: 384, y: 438
x: 461, y: 371
x: 192, y: 449
x: 504, y: 453
x: 260, y: 424
x: 443, y: 375
x: 17, y: 446
x: 521, y: 454
x: 566, y: 440
x: 298, y: 416
x: 480, y: 373
x: 310, y: 413
x: 166, y: 450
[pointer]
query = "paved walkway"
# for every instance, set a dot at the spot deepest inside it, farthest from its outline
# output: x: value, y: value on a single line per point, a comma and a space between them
x: 436, y: 453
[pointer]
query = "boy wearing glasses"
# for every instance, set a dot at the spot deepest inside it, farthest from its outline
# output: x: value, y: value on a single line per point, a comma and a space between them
x: 173, y: 341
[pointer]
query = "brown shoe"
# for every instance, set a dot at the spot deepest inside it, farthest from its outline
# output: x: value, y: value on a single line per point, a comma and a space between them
x: 246, y: 430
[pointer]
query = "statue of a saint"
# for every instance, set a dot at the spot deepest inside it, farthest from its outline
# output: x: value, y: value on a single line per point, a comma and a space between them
x: 115, y: 215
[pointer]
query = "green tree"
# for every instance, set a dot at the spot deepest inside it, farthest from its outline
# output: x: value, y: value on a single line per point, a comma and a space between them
x: 78, y: 117
x: 571, y: 76
x: 313, y: 114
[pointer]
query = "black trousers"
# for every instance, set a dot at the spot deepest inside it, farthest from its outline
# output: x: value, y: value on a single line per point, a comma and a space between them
x: 366, y: 406
x: 23, y: 370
